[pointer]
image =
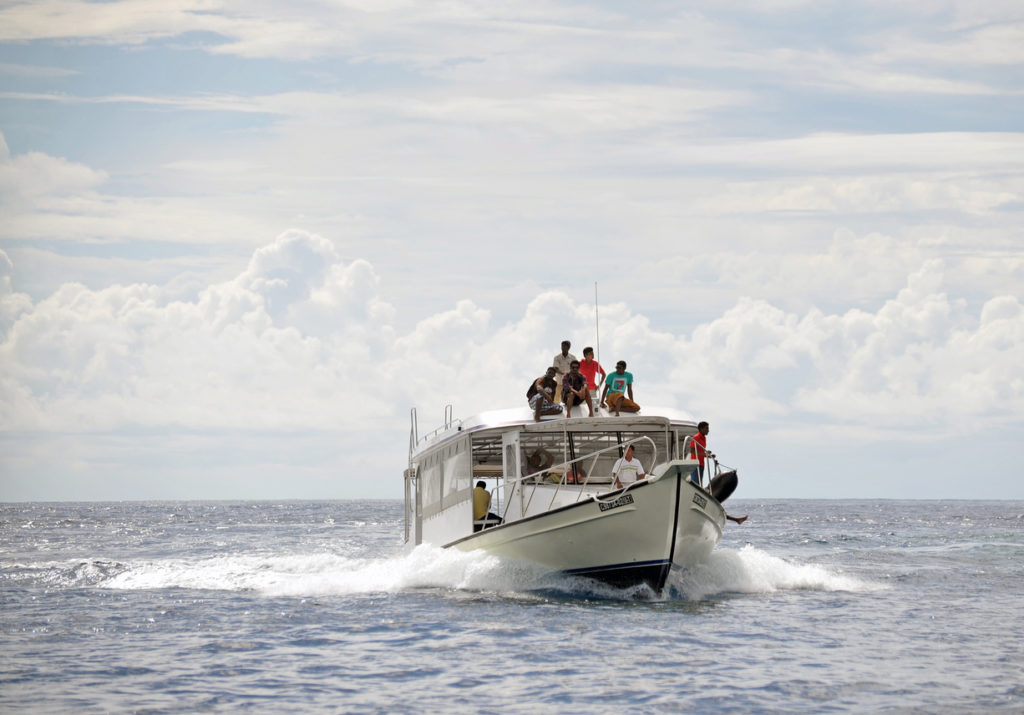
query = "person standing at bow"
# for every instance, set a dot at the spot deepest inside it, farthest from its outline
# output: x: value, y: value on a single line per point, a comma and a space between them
x: 699, y: 449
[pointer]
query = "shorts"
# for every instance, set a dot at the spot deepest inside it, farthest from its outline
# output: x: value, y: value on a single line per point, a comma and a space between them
x: 578, y: 400
x: 544, y: 403
x: 618, y: 401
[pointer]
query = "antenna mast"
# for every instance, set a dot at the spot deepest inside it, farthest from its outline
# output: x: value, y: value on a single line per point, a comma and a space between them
x: 597, y: 324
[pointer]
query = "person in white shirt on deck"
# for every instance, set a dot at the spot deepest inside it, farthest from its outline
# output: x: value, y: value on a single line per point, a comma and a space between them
x: 561, y: 364
x: 628, y: 470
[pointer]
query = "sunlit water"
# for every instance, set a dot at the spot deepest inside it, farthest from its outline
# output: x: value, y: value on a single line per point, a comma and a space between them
x: 810, y: 606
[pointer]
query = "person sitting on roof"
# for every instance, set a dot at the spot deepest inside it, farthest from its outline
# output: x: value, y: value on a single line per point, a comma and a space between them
x: 541, y: 395
x: 574, y: 389
x: 616, y: 385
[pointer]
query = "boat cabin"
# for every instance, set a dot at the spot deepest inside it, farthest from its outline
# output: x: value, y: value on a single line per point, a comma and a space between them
x: 529, y: 467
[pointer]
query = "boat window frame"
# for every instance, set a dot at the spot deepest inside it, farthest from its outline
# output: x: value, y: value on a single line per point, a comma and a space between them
x: 456, y: 466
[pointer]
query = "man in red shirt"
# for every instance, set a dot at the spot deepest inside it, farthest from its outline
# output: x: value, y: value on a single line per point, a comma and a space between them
x: 589, y: 368
x: 699, y: 449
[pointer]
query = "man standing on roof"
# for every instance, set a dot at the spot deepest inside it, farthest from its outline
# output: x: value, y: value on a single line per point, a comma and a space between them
x: 616, y: 385
x: 628, y: 469
x: 561, y: 364
x: 542, y: 395
x: 590, y: 369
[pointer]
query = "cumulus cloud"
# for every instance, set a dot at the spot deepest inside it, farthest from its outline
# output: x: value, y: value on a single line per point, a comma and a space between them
x: 32, y: 175
x: 250, y: 352
x: 300, y: 339
x: 12, y: 305
x: 922, y: 364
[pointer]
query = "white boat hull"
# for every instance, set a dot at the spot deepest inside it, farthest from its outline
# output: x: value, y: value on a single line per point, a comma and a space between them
x: 624, y: 537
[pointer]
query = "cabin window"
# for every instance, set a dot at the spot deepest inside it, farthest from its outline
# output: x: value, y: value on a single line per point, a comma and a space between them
x: 431, y: 480
x: 457, y: 468
x: 681, y: 441
x: 541, y: 450
x: 609, y: 444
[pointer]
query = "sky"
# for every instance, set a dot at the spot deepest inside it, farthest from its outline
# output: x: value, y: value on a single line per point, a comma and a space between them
x: 241, y: 242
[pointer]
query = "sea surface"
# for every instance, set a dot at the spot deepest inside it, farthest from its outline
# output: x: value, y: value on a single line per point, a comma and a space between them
x: 810, y: 606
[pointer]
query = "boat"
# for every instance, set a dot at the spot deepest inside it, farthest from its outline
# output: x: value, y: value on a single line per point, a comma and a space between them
x: 553, y: 498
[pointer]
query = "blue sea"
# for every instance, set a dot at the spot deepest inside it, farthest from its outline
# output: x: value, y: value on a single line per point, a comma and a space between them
x: 809, y: 606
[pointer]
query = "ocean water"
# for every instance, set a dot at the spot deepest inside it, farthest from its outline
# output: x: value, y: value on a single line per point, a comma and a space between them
x: 810, y: 606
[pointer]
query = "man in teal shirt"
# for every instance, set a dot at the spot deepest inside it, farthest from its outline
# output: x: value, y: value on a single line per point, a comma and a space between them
x: 616, y: 386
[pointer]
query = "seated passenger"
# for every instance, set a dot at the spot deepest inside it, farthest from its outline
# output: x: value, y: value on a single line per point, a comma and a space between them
x: 628, y: 469
x: 541, y: 395
x: 481, y: 506
x: 540, y: 460
x: 574, y: 389
x: 616, y: 385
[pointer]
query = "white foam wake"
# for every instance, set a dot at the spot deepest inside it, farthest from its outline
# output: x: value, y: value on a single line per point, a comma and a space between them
x: 748, y: 570
x: 323, y: 574
x: 751, y: 570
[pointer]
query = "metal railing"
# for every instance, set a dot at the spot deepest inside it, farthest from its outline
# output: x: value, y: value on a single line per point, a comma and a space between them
x: 449, y: 421
x: 711, y: 466
x: 536, y: 479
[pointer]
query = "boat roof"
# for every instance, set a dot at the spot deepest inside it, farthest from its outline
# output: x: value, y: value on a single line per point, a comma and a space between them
x: 522, y: 417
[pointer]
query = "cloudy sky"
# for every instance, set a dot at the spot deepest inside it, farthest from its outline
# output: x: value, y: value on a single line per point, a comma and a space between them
x: 240, y: 241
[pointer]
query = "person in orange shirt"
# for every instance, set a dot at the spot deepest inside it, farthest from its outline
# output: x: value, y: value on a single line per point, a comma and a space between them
x: 699, y: 448
x: 590, y: 369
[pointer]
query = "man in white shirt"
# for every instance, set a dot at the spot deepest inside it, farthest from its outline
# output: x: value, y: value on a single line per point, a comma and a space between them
x: 561, y: 364
x: 628, y: 470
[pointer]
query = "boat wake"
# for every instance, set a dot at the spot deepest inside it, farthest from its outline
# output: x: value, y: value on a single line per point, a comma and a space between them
x: 752, y: 571
x: 745, y: 571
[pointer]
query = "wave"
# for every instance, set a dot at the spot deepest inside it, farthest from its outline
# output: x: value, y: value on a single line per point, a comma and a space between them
x: 746, y: 571
x: 330, y: 574
x: 60, y: 574
x: 750, y: 571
